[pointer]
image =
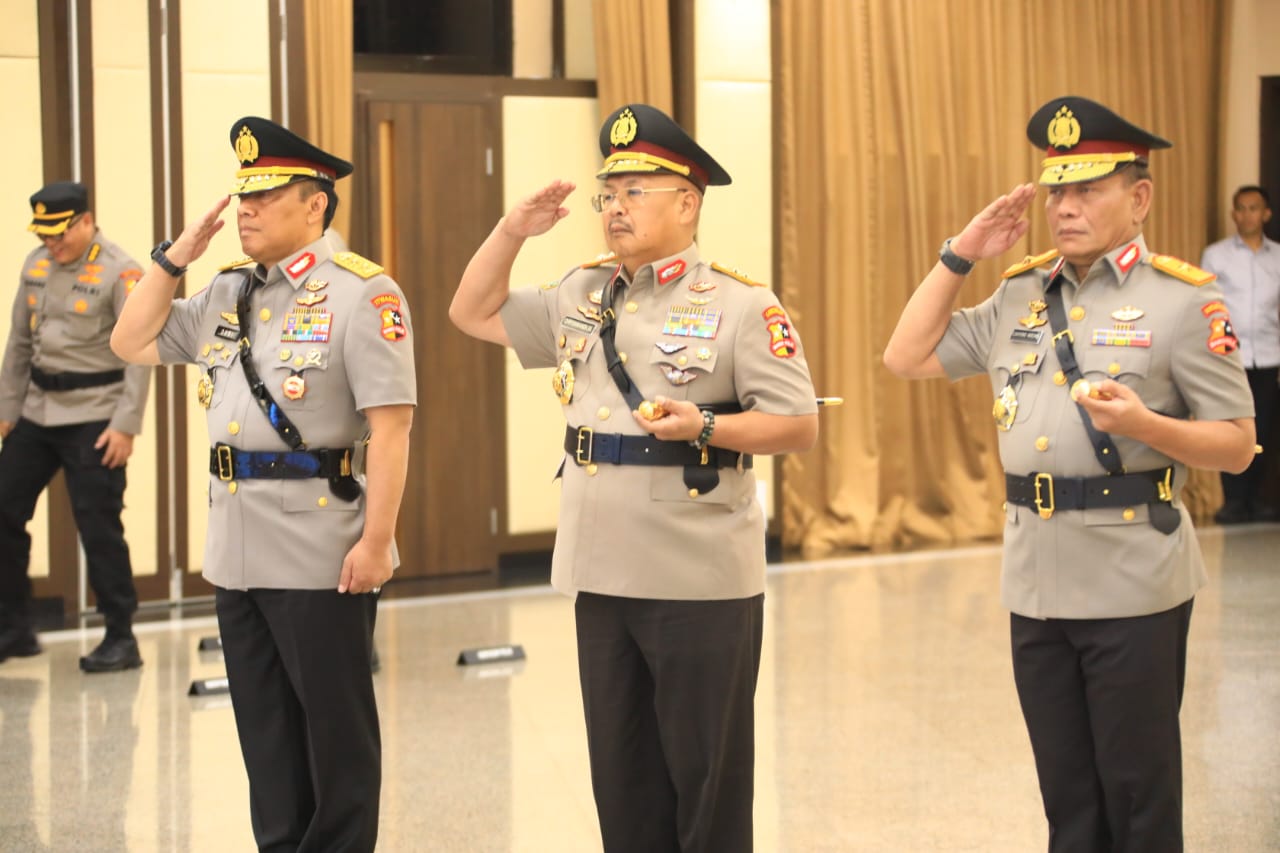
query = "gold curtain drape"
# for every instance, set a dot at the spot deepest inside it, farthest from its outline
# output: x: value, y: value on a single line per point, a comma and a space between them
x: 900, y: 119
x: 328, y: 27
x: 633, y: 53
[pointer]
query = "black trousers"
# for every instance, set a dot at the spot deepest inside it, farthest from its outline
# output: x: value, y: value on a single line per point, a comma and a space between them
x: 302, y: 692
x: 31, y: 455
x: 668, y: 688
x: 1101, y: 698
x: 1242, y: 489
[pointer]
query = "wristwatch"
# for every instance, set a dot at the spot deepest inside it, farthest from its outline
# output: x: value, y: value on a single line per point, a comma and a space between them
x: 158, y: 255
x: 952, y: 261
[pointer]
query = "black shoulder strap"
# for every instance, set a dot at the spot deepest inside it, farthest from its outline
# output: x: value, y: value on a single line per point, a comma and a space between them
x: 275, y: 415
x: 608, y: 328
x: 1103, y: 447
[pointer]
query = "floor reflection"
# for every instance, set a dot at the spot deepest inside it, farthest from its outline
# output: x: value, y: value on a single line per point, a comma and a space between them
x: 887, y: 722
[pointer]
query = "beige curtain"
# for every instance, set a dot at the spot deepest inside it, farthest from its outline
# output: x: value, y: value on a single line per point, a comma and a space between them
x: 899, y: 120
x: 633, y: 54
x: 329, y: 60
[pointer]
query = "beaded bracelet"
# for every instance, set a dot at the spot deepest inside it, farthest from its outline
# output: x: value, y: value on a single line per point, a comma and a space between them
x: 708, y: 427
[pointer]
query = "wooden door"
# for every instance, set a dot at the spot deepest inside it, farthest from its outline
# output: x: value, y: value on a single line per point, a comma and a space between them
x: 431, y: 196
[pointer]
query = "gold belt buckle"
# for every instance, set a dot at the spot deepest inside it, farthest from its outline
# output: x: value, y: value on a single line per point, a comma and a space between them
x: 1164, y: 489
x: 226, y: 465
x: 1045, y: 508
x: 586, y: 436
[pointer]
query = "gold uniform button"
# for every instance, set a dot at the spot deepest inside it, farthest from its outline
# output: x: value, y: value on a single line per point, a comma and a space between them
x: 632, y: 307
x: 298, y: 361
x: 1059, y: 378
x: 622, y: 357
x: 561, y: 342
x: 204, y: 351
x: 682, y: 360
x: 603, y: 413
x: 1113, y: 368
x: 265, y: 315
x: 1077, y: 313
x: 1128, y: 513
x: 1042, y: 443
x: 322, y: 501
x: 233, y: 428
x: 232, y: 487
x: 592, y: 468
x: 693, y: 493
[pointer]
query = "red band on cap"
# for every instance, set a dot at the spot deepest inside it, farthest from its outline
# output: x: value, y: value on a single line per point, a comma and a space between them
x: 293, y: 163
x: 696, y: 173
x: 1100, y: 146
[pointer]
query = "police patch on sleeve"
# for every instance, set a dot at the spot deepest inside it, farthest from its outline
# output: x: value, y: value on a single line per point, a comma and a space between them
x: 390, y: 316
x: 1222, y: 336
x: 781, y: 342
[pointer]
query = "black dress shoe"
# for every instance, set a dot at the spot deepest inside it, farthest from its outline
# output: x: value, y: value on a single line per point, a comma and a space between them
x: 1232, y: 513
x: 112, y: 655
x: 18, y: 641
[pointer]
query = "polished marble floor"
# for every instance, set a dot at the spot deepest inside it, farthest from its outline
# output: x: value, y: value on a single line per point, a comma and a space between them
x: 887, y: 721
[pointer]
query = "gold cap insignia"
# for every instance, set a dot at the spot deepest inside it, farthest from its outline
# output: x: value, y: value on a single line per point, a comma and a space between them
x: 1064, y: 130
x: 623, y: 131
x: 40, y: 208
x: 246, y: 145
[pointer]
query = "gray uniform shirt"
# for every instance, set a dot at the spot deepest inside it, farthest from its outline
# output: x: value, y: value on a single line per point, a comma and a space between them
x: 340, y: 335
x: 63, y: 315
x: 689, y: 333
x: 1164, y: 338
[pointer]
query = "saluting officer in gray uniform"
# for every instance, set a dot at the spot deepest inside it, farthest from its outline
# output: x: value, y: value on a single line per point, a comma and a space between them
x: 67, y: 401
x: 1112, y: 369
x: 304, y: 356
x: 672, y: 372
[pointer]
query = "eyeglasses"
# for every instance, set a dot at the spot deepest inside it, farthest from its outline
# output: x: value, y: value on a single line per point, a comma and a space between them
x: 58, y: 238
x: 630, y: 197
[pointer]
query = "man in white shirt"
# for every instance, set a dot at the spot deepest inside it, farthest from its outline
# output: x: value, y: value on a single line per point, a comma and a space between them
x: 1248, y: 270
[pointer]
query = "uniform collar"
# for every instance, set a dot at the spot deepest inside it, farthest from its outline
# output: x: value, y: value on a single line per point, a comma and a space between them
x: 297, y: 268
x: 670, y: 269
x: 1120, y: 261
x: 1239, y: 243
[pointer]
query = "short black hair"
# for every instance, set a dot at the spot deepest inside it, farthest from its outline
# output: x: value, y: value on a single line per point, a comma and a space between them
x: 1135, y: 170
x: 1252, y: 188
x: 308, y: 188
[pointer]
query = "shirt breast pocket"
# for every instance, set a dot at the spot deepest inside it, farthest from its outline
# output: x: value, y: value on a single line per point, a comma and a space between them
x: 1129, y: 365
x: 299, y: 380
x: 86, y: 313
x: 1024, y: 369
x: 680, y: 365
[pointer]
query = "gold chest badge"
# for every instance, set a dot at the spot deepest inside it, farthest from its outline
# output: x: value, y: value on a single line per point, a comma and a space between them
x: 562, y: 382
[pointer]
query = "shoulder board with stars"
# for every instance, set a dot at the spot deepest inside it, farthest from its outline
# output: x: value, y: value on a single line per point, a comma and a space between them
x: 1030, y: 262
x: 600, y: 261
x: 361, y: 266
x: 234, y: 264
x: 1180, y: 269
x: 732, y: 273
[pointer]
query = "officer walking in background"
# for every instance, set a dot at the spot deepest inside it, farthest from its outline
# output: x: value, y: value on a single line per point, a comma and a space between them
x: 68, y: 402
x: 1248, y: 269
x: 304, y: 359
x: 1113, y: 369
x: 672, y: 371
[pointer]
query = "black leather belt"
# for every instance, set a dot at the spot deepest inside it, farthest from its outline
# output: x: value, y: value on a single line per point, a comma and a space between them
x: 585, y: 445
x: 1047, y: 493
x: 71, y: 381
x: 231, y: 464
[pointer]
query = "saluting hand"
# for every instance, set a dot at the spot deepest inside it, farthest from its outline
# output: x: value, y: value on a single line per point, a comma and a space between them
x: 1001, y: 224
x: 119, y: 447
x: 193, y: 241
x: 536, y: 214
